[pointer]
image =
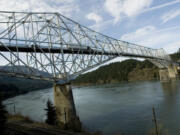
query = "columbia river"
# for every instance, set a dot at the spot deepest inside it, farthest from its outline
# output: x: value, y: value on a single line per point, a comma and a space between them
x: 113, y: 108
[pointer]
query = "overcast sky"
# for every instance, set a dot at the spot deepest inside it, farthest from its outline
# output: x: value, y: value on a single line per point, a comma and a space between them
x: 152, y: 23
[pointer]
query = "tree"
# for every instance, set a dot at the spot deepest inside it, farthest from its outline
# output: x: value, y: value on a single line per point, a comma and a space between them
x: 3, y: 117
x: 51, y: 113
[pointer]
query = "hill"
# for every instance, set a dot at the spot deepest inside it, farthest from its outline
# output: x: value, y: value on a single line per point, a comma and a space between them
x: 12, y: 86
x: 128, y: 70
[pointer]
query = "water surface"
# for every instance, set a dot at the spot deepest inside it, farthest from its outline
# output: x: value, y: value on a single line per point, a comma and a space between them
x: 113, y: 108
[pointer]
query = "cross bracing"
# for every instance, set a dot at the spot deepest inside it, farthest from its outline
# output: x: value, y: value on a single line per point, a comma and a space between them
x: 53, y: 47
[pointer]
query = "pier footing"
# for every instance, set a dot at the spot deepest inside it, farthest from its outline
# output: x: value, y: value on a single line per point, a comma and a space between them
x: 65, y: 107
x: 168, y: 74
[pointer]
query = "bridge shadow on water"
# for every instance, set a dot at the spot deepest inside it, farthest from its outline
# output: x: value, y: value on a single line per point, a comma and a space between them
x: 170, y: 89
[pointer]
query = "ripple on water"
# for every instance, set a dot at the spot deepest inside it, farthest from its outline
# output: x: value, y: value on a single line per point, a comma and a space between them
x: 124, y: 107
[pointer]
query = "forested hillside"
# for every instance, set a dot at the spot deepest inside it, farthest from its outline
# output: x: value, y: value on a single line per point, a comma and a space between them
x: 118, y: 72
x: 12, y: 86
x: 128, y: 70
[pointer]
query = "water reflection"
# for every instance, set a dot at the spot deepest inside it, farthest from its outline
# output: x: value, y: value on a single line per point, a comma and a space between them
x: 169, y: 109
x: 170, y: 89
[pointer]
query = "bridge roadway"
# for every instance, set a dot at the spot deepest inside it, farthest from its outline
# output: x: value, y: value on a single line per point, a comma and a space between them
x: 70, y: 50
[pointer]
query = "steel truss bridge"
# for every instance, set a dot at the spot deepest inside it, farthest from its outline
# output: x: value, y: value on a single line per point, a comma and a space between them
x: 53, y: 47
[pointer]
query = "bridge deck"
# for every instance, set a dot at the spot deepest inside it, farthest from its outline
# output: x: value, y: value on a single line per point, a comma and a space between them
x: 87, y: 51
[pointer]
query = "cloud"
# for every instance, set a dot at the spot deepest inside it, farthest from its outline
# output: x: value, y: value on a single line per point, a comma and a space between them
x: 110, y: 21
x: 97, y: 19
x: 172, y: 47
x: 129, y: 8
x: 170, y: 15
x: 94, y: 17
x: 66, y: 7
x: 138, y: 33
x: 152, y: 37
x: 161, y: 6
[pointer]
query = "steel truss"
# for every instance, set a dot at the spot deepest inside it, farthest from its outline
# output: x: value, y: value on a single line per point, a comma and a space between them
x: 53, y: 47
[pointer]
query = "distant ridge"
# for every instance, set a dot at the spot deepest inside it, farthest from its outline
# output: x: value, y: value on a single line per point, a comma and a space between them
x: 12, y: 86
x: 24, y: 69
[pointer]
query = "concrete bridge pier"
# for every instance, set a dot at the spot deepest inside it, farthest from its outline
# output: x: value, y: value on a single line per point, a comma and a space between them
x: 176, y: 70
x: 65, y: 107
x: 168, y: 74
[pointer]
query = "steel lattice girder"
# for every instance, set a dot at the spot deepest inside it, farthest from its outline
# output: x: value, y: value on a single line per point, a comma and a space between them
x: 53, y: 47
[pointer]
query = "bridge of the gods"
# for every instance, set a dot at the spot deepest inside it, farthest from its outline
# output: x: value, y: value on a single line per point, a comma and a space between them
x: 52, y: 47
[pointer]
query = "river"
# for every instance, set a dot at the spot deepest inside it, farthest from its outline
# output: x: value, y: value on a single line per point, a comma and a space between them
x: 113, y: 108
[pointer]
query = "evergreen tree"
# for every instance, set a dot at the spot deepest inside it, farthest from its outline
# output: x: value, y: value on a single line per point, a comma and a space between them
x: 3, y: 117
x: 51, y: 113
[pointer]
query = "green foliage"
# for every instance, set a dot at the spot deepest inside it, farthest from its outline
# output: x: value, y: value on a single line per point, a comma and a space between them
x: 9, y: 90
x: 51, y: 114
x: 116, y: 71
x: 3, y: 117
x: 10, y: 86
x: 119, y: 71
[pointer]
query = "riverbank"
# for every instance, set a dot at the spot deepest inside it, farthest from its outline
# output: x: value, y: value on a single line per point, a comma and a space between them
x: 21, y: 125
x: 18, y: 124
x: 11, y: 87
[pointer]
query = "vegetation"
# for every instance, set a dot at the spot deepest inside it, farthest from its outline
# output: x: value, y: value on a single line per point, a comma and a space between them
x: 118, y: 72
x: 3, y: 117
x: 11, y: 86
x: 128, y: 70
x: 19, y: 117
x: 9, y: 90
x: 32, y: 127
x: 51, y: 114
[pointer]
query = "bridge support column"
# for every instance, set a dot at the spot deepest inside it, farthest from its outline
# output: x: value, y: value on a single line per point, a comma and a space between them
x: 172, y: 72
x: 168, y: 74
x: 176, y: 70
x: 163, y: 75
x: 65, y: 107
